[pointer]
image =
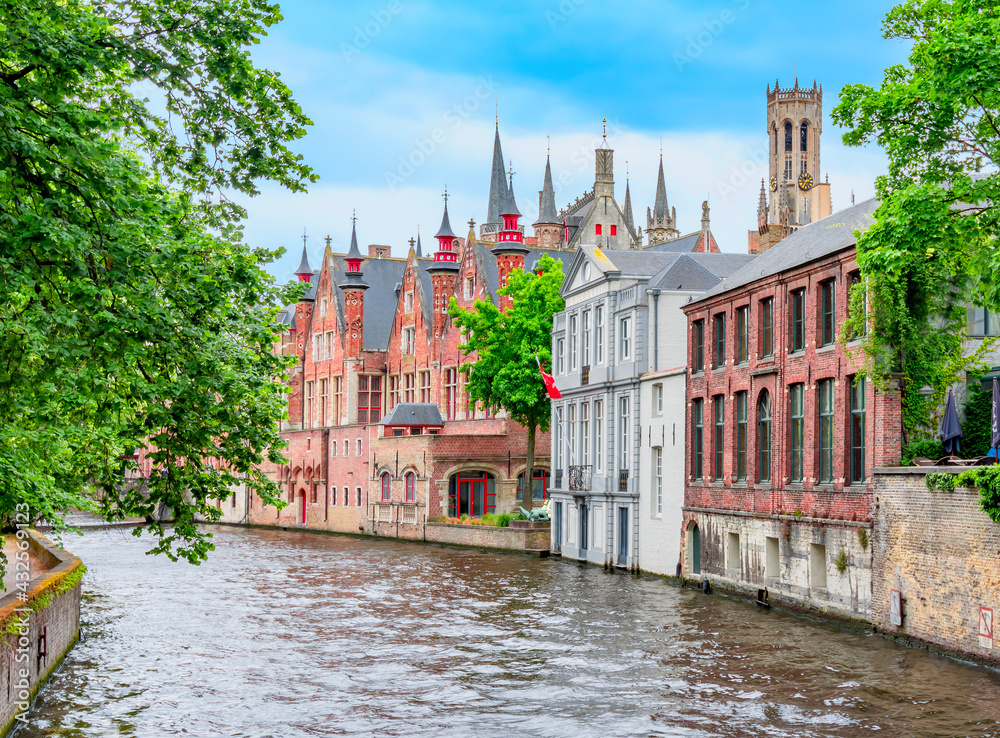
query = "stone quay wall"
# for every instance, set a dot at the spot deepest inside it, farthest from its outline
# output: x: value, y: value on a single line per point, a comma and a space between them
x: 941, y: 553
x: 528, y: 537
x: 40, y: 630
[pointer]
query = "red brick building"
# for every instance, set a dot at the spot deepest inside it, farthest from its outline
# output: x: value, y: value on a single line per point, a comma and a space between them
x: 781, y: 437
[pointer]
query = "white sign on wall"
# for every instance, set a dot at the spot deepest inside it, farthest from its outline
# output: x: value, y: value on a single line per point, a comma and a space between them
x: 895, y: 607
x: 986, y: 627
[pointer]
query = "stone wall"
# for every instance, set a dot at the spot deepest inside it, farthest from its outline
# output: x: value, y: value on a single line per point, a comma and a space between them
x: 942, y: 554
x: 29, y: 653
x: 535, y: 537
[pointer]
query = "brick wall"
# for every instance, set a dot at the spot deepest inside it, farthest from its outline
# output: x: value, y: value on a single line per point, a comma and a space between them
x: 30, y: 654
x: 942, y: 553
x: 485, y: 536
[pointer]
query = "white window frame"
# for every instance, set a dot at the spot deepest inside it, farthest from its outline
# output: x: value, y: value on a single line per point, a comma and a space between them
x: 658, y: 398
x: 599, y: 434
x: 358, y: 448
x: 599, y: 335
x: 408, y: 301
x: 571, y: 433
x: 585, y: 433
x: 625, y: 431
x: 657, y: 481
x: 625, y: 339
x: 560, y: 356
x: 574, y: 341
x: 585, y: 338
x: 409, y: 340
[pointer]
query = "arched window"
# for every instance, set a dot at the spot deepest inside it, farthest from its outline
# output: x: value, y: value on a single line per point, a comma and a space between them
x: 411, y: 487
x: 774, y: 130
x: 471, y: 493
x: 788, y: 136
x: 386, y: 487
x: 764, y: 437
x: 804, y: 137
x: 539, y: 487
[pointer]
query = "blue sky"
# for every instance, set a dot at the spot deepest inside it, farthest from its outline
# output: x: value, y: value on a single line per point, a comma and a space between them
x: 403, y: 97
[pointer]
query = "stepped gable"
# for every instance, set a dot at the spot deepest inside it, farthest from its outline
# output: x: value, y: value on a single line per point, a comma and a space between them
x: 809, y: 243
x: 381, y: 276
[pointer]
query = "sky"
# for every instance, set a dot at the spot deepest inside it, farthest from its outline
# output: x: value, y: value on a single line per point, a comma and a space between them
x: 404, y: 97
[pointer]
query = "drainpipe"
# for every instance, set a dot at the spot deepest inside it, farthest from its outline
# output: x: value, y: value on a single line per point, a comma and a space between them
x: 656, y: 330
x: 326, y: 468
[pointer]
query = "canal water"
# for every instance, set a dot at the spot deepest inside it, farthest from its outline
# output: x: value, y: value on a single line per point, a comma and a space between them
x: 290, y: 634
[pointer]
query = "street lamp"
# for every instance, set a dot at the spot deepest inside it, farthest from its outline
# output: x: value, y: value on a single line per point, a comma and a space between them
x: 926, y: 390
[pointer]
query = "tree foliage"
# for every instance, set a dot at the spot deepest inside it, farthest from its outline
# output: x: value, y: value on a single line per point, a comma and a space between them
x: 932, y: 248
x: 505, y: 345
x: 131, y: 313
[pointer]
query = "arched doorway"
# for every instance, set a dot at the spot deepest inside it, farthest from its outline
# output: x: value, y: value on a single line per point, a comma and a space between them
x: 694, y: 548
x: 471, y: 493
x: 302, y: 506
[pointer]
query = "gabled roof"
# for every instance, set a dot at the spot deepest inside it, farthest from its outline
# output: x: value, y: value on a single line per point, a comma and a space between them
x: 684, y: 244
x: 809, y: 243
x: 381, y: 276
x: 699, y: 271
x: 414, y: 413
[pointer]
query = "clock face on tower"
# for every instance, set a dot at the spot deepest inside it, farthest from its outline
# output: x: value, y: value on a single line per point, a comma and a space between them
x: 805, y: 181
x: 774, y: 183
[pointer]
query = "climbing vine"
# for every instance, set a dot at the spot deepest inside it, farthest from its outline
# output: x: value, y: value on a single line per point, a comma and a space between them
x: 987, y: 478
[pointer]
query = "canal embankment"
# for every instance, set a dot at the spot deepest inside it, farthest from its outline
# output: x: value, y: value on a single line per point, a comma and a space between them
x: 39, y: 617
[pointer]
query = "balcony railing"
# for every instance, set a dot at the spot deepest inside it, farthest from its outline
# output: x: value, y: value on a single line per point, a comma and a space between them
x: 623, y: 480
x: 580, y: 478
x: 558, y: 478
x: 585, y: 376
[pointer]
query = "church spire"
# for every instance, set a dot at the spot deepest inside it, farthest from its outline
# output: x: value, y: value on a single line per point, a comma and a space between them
x: 660, y: 209
x: 304, y: 272
x: 498, y: 186
x: 762, y: 205
x: 547, y: 202
x: 627, y: 208
x: 420, y: 251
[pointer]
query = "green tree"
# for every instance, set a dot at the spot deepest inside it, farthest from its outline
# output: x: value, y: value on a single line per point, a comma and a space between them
x: 505, y: 346
x: 131, y: 313
x: 932, y: 248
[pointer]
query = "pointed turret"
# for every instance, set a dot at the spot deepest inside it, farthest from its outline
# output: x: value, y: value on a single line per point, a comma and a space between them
x: 446, y: 257
x: 661, y: 220
x: 352, y: 275
x: 762, y: 206
x: 627, y: 208
x: 354, y: 297
x: 498, y: 192
x: 304, y: 272
x: 510, y: 207
x: 547, y: 213
x: 511, y: 238
x: 660, y: 210
x: 420, y: 251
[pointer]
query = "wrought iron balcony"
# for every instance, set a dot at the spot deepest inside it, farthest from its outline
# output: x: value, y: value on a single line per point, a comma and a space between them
x: 580, y: 478
x: 623, y: 480
x: 585, y: 376
x: 558, y: 479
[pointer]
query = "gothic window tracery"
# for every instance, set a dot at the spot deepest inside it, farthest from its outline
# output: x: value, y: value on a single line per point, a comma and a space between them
x: 788, y: 136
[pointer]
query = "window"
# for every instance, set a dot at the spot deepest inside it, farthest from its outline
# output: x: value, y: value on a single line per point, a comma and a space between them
x: 742, y: 334
x: 741, y: 436
x: 333, y: 493
x: 772, y: 565
x: 425, y: 386
x: 585, y: 434
x: 798, y: 323
x: 347, y: 494
x: 470, y: 288
x: 625, y: 339
x: 764, y: 437
x: 573, y: 343
x: 385, y: 487
x: 699, y: 345
x: 657, y: 481
x: 560, y: 356
x: 599, y: 334
x: 571, y: 434
x: 719, y: 335
x: 983, y: 323
x: 788, y: 168
x: 626, y: 432
x: 767, y: 327
x: 316, y: 346
x: 393, y: 392
x: 614, y: 230
x: 369, y: 399
x: 450, y: 393
x: 854, y: 282
x: 718, y: 434
x: 827, y: 311
x: 858, y: 471
x: 585, y: 339
x: 826, y: 430
x: 409, y: 336
x: 328, y: 346
x: 357, y: 451
x: 410, y: 393
x: 357, y: 494
x: 817, y: 565
x: 796, y: 412
x: 471, y: 493
x: 333, y: 447
x: 599, y: 434
x: 788, y: 136
x: 597, y: 229
x: 558, y: 438
x: 698, y: 421
x: 322, y: 308
x: 309, y: 405
x: 347, y: 447
x: 411, y: 487
x: 658, y: 399
x: 804, y: 137
x: 337, y: 396
x: 733, y: 551
x: 408, y: 302
x: 324, y: 400
x: 539, y: 485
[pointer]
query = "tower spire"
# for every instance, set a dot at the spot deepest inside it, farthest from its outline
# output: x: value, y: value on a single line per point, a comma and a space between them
x: 660, y: 209
x: 627, y: 207
x: 547, y: 202
x: 498, y: 188
x: 304, y: 272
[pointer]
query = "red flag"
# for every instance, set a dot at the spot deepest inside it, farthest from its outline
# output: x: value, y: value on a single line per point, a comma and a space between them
x: 550, y: 385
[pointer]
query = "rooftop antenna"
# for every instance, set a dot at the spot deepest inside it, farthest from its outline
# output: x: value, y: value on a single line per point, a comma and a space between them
x: 305, y: 237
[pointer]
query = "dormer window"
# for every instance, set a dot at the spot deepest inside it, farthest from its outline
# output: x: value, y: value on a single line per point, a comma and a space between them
x: 597, y: 229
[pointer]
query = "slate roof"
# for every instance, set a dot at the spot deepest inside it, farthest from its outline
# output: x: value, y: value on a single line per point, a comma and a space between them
x: 699, y: 271
x: 381, y: 276
x: 684, y: 244
x: 304, y: 267
x: 414, y: 413
x: 498, y: 183
x: 660, y: 208
x: 638, y: 263
x: 809, y: 243
x: 547, y: 210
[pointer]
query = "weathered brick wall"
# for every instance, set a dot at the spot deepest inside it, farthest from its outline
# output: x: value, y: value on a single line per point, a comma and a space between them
x: 484, y: 536
x: 942, y: 553
x: 30, y: 652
